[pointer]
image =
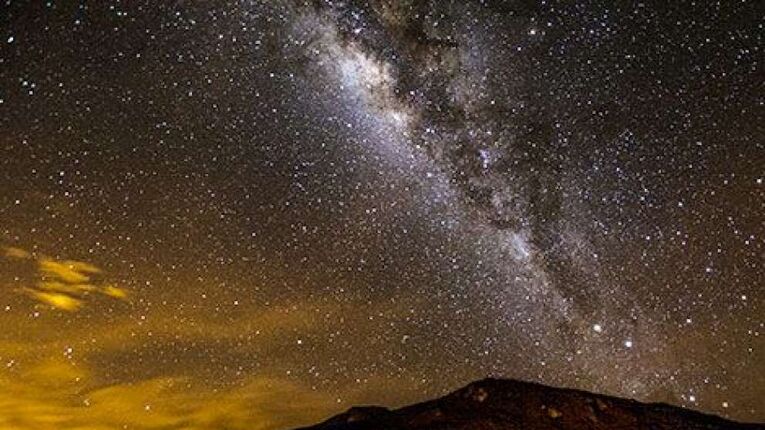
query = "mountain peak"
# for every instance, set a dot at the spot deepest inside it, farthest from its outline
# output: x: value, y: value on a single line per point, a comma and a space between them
x: 509, y: 404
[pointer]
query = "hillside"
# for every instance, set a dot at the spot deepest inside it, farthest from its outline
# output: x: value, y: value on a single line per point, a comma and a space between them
x: 494, y: 404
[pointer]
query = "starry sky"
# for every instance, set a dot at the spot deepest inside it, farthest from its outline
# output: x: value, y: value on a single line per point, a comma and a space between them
x: 254, y: 214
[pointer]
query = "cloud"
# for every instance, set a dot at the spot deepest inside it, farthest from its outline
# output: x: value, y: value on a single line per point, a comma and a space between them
x: 56, y: 300
x: 63, y: 284
x: 190, y: 370
x: 59, y: 395
x: 73, y: 272
x: 17, y: 253
x: 116, y: 292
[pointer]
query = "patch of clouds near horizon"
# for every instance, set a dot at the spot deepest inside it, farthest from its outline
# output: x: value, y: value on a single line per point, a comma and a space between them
x: 58, y: 395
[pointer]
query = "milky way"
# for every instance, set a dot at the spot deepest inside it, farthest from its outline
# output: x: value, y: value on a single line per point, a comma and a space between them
x: 261, y: 213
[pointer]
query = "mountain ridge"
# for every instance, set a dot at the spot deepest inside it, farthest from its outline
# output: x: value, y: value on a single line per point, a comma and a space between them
x: 507, y: 404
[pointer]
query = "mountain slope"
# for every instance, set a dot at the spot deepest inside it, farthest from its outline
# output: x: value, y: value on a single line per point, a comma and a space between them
x: 494, y: 404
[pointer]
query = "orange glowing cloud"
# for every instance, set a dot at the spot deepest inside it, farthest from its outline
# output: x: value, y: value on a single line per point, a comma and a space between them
x: 58, y: 395
x: 64, y: 284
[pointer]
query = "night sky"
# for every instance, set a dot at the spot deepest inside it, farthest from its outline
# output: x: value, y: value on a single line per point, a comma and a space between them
x: 254, y: 214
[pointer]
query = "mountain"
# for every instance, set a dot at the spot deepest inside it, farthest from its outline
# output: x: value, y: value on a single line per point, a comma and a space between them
x: 501, y: 404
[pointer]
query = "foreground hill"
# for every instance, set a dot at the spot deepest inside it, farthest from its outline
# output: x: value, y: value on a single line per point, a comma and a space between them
x: 494, y: 404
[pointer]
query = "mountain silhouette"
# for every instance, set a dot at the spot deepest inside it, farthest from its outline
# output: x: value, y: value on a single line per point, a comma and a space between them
x: 502, y: 404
